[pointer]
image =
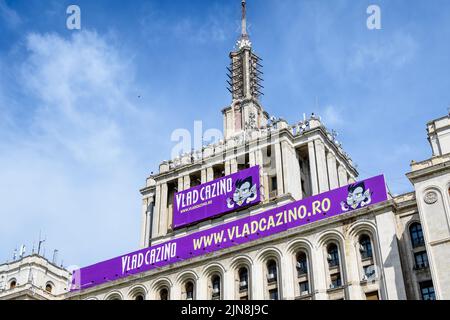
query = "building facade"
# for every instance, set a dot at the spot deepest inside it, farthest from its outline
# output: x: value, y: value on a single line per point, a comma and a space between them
x: 33, y: 278
x: 394, y: 250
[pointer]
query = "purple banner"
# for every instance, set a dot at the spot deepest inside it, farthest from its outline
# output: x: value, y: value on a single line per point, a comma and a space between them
x: 292, y: 215
x: 230, y: 193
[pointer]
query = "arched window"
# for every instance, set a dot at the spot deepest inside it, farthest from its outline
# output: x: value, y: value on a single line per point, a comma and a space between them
x: 416, y: 233
x: 243, y: 279
x: 12, y: 284
x: 272, y: 280
x: 334, y: 268
x: 189, y: 287
x: 365, y: 247
x: 333, y: 255
x: 48, y: 287
x: 164, y: 294
x: 302, y: 264
x: 114, y: 296
x: 272, y: 271
x: 215, y: 284
x: 139, y: 297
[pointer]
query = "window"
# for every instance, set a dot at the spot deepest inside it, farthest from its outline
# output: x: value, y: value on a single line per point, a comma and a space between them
x: 164, y: 294
x: 421, y: 260
x: 219, y: 171
x: 215, y: 281
x: 48, y: 287
x: 372, y: 296
x: 302, y: 264
x: 333, y: 255
x: 195, y: 179
x: 335, y: 281
x: 12, y: 284
x: 427, y: 290
x: 274, y: 183
x: 304, y: 288
x: 271, y: 271
x: 273, y: 294
x: 139, y: 297
x: 365, y: 247
x: 243, y: 279
x: 189, y: 291
x: 369, y: 272
x: 243, y: 162
x: 416, y: 235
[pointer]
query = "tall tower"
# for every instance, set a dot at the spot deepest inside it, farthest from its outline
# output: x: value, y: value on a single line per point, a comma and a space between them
x: 244, y: 73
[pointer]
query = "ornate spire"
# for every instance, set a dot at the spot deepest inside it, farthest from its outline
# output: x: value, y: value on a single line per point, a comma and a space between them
x: 245, y: 69
x: 244, y: 20
x: 244, y: 40
x: 244, y: 81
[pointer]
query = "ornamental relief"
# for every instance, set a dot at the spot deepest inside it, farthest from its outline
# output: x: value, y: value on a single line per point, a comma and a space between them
x: 431, y: 197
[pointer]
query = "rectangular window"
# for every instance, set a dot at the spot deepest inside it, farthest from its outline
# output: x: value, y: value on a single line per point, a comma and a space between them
x: 195, y: 179
x: 421, y: 260
x: 372, y: 295
x: 427, y: 290
x: 369, y: 271
x: 274, y: 184
x: 304, y: 288
x: 273, y: 294
x: 302, y: 267
x: 336, y: 281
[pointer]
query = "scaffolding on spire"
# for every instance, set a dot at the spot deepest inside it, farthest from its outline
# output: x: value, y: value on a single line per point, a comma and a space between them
x: 244, y: 72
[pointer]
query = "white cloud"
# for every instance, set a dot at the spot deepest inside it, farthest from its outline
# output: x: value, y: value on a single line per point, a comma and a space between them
x: 397, y: 51
x: 68, y: 166
x: 332, y: 116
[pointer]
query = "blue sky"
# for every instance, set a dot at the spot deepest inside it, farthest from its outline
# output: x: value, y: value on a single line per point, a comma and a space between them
x: 77, y: 142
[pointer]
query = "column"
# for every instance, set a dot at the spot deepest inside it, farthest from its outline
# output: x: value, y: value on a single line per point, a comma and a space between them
x: 291, y: 170
x: 163, y: 211
x: 319, y: 274
x: 203, y: 177
x: 144, y: 222
x: 186, y: 182
x: 202, y: 289
x: 150, y: 214
x: 252, y: 158
x: 352, y: 267
x: 257, y: 281
x: 156, y: 212
x: 262, y: 176
x: 342, y: 175
x: 287, y: 277
x: 392, y: 277
x: 313, y: 168
x: 322, y: 173
x: 227, y: 168
x: 332, y: 171
x: 175, y: 292
x: 234, y: 165
x: 279, y: 168
x: 209, y: 174
x: 229, y: 285
x: 180, y: 184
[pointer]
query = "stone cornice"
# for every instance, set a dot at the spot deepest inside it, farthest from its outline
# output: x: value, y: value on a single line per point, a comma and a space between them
x: 433, y: 166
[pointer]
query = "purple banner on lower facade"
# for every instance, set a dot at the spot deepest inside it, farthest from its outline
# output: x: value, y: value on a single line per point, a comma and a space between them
x: 251, y: 228
x: 223, y: 195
